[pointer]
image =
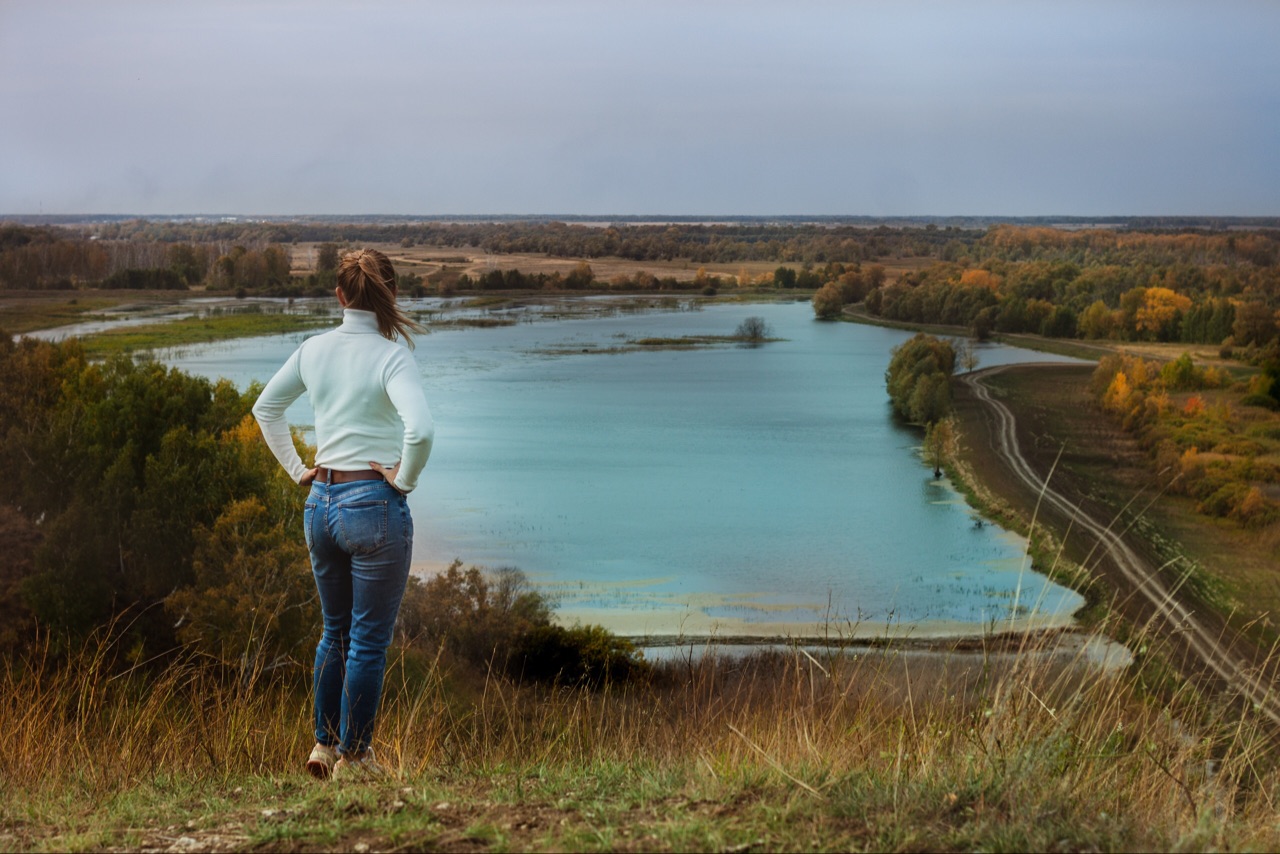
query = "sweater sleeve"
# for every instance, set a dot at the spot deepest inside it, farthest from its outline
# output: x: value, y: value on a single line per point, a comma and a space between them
x: 282, y: 390
x: 404, y: 388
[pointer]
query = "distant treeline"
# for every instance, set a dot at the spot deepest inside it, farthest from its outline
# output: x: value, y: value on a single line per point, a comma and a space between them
x: 1139, y: 223
x: 58, y: 259
x: 1188, y: 284
x: 772, y: 242
x: 255, y: 256
x: 696, y: 243
x: 1217, y: 288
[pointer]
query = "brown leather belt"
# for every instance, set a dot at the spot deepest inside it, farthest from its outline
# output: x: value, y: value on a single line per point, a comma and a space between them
x: 324, y: 475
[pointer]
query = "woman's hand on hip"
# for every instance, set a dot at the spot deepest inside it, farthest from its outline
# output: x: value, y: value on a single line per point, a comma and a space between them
x: 308, y: 476
x: 388, y: 473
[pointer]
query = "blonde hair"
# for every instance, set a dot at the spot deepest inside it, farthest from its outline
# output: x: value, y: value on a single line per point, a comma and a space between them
x: 368, y: 283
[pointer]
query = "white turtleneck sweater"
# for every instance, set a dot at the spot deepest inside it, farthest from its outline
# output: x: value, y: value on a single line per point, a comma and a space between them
x: 368, y: 400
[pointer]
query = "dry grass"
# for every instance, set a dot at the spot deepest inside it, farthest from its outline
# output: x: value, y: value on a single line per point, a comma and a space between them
x: 474, y: 262
x: 877, y: 751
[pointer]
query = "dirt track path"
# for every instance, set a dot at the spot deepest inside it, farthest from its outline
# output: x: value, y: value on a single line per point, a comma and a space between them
x: 1138, y: 571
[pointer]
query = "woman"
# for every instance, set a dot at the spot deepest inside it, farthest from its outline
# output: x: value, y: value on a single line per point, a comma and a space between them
x: 373, y: 437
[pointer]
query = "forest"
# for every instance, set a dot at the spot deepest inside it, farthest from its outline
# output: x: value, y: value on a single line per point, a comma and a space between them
x: 1194, y: 288
x: 1194, y: 285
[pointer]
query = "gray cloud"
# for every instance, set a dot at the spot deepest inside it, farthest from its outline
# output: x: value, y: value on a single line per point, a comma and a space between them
x: 576, y: 107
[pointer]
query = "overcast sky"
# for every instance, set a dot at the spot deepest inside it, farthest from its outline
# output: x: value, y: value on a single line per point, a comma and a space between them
x: 640, y: 107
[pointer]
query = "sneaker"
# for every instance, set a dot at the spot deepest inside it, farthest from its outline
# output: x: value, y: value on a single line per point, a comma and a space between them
x: 363, y: 767
x: 321, y: 762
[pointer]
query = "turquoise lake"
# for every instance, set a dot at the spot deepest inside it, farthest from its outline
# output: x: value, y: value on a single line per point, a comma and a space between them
x: 731, y: 491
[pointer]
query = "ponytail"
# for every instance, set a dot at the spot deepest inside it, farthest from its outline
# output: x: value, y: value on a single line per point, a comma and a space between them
x: 368, y: 283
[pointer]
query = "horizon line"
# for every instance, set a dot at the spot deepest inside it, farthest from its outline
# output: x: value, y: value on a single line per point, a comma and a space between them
x: 632, y: 217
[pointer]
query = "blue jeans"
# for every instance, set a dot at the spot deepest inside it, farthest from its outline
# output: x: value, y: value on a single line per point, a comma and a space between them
x: 361, y: 537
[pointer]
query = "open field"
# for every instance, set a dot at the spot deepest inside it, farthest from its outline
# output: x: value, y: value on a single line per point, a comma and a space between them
x: 473, y: 261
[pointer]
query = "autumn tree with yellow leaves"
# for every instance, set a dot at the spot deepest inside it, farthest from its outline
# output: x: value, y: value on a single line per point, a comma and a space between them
x: 1161, y: 313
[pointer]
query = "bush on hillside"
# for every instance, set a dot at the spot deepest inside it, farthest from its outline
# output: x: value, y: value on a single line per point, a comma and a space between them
x: 499, y: 622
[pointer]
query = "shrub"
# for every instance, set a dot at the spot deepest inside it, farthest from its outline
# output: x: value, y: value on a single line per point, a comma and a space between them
x: 1192, y: 469
x: 125, y: 463
x: 1269, y: 431
x: 1260, y: 394
x: 753, y: 330
x: 828, y: 302
x: 581, y: 655
x: 1181, y: 374
x: 1216, y: 377
x: 1169, y: 464
x: 1225, y: 500
x: 919, y: 378
x: 1253, y: 509
x: 1108, y: 367
x: 499, y: 622
x: 21, y: 537
x: 252, y: 606
x: 1239, y: 446
x: 474, y: 616
x: 145, y: 279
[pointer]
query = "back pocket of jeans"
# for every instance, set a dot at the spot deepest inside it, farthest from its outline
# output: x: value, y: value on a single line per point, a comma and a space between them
x: 363, y: 525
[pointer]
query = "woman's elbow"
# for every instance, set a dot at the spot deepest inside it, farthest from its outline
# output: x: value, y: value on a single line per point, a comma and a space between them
x: 421, y: 434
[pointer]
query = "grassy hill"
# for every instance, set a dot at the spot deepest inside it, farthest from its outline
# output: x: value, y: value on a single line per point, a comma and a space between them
x: 1000, y: 747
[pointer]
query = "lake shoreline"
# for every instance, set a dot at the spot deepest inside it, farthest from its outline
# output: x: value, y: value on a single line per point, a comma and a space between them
x: 1071, y: 645
x: 973, y: 473
x: 702, y: 628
